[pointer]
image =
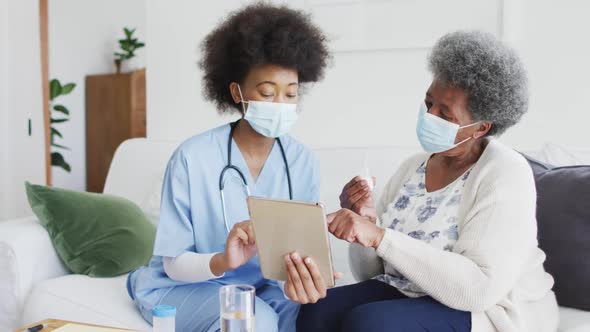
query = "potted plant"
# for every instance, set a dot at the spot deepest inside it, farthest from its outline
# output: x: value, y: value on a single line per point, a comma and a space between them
x: 59, y: 114
x: 128, y: 47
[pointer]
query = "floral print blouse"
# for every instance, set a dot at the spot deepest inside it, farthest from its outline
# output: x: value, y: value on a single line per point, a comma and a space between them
x: 427, y: 216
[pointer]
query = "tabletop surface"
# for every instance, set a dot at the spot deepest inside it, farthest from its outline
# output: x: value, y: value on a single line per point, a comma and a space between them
x: 56, y: 323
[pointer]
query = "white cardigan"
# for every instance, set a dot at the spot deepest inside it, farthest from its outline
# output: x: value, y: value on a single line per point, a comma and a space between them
x: 495, y: 270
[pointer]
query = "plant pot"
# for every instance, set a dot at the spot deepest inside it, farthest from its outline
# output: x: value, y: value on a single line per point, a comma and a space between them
x: 118, y: 66
x: 127, y: 66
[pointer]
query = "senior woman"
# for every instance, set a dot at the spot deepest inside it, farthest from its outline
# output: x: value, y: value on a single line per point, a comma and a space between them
x: 452, y: 245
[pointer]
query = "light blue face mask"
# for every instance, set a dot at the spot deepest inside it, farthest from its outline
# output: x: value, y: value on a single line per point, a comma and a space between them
x: 269, y: 119
x: 435, y: 134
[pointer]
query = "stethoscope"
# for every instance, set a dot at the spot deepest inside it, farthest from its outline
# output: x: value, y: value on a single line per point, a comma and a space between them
x: 241, y: 176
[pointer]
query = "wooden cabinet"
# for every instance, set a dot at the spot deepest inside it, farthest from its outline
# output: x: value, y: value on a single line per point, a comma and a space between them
x: 115, y: 111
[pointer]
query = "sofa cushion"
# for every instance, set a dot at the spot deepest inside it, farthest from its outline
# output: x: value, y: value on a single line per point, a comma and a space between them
x: 104, y: 301
x: 26, y: 257
x: 101, y: 301
x: 573, y: 320
x: 94, y: 234
x: 563, y: 215
x: 8, y: 288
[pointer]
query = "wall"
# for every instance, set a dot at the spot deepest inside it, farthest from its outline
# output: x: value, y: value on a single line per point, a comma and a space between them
x: 371, y: 93
x: 4, y: 144
x: 4, y: 126
x: 21, y: 156
x: 83, y: 35
x: 379, y: 77
x: 554, y: 41
x: 175, y: 107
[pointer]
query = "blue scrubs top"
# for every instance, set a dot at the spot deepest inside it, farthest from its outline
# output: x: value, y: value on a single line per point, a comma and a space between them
x: 191, y: 216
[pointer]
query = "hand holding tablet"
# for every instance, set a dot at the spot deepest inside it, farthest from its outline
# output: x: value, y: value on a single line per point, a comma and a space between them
x: 283, y: 228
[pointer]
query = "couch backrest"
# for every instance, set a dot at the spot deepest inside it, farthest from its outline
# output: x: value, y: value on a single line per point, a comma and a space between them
x: 138, y: 167
x: 139, y: 164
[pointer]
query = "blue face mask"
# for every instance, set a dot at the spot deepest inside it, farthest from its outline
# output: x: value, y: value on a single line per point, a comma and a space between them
x: 435, y: 134
x: 269, y: 119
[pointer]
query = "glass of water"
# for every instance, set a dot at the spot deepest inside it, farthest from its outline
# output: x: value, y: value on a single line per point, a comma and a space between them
x: 237, y: 308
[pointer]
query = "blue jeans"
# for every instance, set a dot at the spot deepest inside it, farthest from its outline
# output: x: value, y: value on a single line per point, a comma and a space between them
x: 375, y: 306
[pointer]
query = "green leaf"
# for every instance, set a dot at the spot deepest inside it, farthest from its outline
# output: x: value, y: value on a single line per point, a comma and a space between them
x: 61, y: 108
x: 67, y: 88
x: 54, y: 89
x: 56, y: 133
x: 58, y: 120
x: 58, y: 160
x: 139, y: 45
x: 60, y: 146
x: 128, y: 32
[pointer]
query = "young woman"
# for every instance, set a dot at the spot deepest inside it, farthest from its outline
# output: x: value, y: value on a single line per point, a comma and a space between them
x: 254, y: 63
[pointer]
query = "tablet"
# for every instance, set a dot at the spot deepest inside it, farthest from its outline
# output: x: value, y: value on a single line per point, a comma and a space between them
x: 282, y: 227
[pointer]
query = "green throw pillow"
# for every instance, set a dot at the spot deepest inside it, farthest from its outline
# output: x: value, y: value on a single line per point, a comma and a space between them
x: 95, y: 234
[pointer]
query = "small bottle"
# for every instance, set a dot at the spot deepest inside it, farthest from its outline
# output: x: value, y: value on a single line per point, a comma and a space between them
x: 365, y: 174
x: 164, y: 317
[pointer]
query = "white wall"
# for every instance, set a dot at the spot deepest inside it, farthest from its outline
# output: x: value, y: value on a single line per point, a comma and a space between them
x: 83, y: 35
x: 4, y: 126
x: 21, y: 156
x: 380, y: 77
x: 375, y: 84
x: 175, y: 107
x: 554, y: 40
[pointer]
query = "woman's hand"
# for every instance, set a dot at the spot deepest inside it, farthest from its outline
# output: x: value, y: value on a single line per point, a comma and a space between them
x: 240, y: 247
x: 305, y: 283
x: 358, y: 197
x: 349, y: 226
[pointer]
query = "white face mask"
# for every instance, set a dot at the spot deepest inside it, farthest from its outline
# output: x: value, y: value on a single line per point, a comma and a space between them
x: 437, y: 135
x: 267, y: 118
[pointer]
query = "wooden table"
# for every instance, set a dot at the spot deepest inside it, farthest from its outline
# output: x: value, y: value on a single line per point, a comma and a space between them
x: 55, y: 323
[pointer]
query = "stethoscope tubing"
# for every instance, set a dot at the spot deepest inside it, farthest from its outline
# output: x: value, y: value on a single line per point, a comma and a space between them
x: 244, y: 182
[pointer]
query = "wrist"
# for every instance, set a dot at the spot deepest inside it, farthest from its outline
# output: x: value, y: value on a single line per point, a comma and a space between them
x: 371, y: 218
x: 219, y: 264
x: 380, y: 233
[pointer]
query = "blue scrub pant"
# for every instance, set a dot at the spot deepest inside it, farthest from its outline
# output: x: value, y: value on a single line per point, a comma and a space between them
x: 197, y: 308
x: 375, y: 306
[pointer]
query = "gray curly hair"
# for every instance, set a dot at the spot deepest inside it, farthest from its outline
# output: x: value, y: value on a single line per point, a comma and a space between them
x: 491, y: 73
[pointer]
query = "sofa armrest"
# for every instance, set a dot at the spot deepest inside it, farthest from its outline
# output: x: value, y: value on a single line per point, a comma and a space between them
x: 27, y: 256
